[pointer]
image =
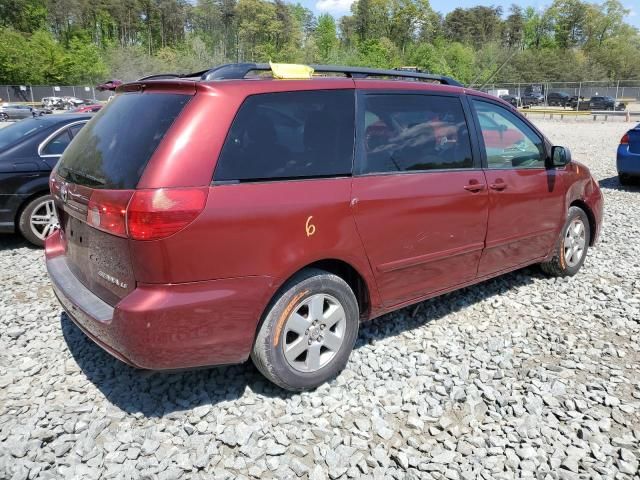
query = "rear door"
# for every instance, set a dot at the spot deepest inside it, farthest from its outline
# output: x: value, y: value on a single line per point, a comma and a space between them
x: 419, y: 198
x: 109, y: 155
x: 526, y: 199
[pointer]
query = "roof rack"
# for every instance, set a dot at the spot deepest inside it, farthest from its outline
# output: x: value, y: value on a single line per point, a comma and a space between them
x: 240, y: 70
x: 237, y: 71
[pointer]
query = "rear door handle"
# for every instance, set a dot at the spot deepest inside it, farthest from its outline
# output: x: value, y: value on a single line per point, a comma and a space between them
x: 498, y: 186
x: 475, y: 187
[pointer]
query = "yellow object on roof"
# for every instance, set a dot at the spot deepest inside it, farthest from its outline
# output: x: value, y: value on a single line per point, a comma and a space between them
x: 290, y: 71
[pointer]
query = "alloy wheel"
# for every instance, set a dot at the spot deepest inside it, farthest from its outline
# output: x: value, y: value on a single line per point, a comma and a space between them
x: 575, y: 241
x: 44, y: 220
x: 314, y: 332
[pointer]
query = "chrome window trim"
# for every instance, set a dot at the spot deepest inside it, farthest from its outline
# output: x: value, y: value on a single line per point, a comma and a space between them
x: 46, y: 141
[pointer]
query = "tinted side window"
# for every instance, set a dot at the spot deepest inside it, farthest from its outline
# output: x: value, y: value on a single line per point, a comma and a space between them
x: 290, y: 135
x: 58, y: 144
x: 508, y: 141
x: 74, y: 129
x: 412, y: 133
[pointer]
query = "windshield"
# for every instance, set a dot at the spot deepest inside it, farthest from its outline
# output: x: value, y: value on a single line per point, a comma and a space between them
x: 13, y: 133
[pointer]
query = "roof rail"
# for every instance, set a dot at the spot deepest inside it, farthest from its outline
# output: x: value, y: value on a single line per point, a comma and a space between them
x: 240, y: 70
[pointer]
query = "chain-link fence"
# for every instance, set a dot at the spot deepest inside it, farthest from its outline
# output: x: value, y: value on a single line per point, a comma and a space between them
x: 35, y: 93
x: 626, y: 91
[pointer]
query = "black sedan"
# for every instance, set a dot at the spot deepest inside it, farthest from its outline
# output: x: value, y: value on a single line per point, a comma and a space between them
x: 29, y: 149
x: 512, y: 99
x: 532, y: 99
x: 558, y: 99
x: 605, y: 103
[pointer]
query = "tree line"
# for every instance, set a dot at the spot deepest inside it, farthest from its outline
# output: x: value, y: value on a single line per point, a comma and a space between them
x: 79, y: 41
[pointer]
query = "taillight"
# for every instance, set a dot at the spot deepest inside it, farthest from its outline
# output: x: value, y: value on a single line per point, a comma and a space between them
x: 54, y: 187
x: 625, y: 139
x: 107, y: 211
x: 155, y: 214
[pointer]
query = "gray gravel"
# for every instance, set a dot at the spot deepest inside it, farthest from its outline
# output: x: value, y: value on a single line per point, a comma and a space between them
x: 519, y: 377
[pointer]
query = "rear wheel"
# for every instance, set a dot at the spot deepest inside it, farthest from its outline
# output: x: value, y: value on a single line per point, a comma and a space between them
x: 38, y: 220
x: 308, y: 331
x: 572, y: 246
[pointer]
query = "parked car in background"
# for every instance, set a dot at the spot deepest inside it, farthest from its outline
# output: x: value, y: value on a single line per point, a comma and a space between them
x: 532, y: 99
x: 92, y: 108
x: 558, y: 99
x: 51, y: 102
x: 63, y: 103
x: 579, y: 102
x: 109, y: 85
x: 605, y: 103
x: 628, y: 157
x: 512, y: 99
x: 17, y: 112
x: 29, y: 149
x: 162, y: 212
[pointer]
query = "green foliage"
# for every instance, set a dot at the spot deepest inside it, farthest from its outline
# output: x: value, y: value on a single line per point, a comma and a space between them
x: 326, y: 37
x: 47, y: 59
x: 79, y: 41
x: 14, y: 67
x: 23, y: 15
x: 447, y: 58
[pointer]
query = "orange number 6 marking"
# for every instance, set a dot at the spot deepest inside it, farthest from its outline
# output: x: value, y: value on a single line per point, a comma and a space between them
x: 310, y: 227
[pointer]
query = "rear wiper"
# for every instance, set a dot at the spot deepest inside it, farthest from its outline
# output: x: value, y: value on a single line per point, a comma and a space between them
x: 86, y: 176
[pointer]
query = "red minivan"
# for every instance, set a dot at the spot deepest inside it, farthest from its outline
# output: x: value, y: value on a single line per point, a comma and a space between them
x: 206, y: 221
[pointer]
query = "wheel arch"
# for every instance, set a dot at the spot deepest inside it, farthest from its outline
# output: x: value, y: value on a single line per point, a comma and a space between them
x: 352, y: 276
x: 342, y: 269
x: 584, y: 206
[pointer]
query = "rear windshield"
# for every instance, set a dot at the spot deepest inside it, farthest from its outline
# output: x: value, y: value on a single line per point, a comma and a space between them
x: 13, y: 133
x: 113, y: 149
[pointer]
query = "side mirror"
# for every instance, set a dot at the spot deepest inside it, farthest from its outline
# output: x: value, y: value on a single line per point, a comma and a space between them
x: 560, y: 156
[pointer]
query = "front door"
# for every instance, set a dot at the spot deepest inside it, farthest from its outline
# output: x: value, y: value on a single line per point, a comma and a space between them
x: 419, y: 200
x: 526, y: 199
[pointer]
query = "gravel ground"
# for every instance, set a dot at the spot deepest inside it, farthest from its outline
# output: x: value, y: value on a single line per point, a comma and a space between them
x: 518, y: 377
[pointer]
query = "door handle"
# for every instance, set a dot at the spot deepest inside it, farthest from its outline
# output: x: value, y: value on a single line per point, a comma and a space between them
x: 498, y: 186
x: 475, y: 187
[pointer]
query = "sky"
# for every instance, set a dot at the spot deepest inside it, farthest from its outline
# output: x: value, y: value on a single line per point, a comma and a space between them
x: 341, y: 7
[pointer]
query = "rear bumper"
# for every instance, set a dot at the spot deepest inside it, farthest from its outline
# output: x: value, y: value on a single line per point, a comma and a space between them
x: 165, y: 327
x: 627, y: 162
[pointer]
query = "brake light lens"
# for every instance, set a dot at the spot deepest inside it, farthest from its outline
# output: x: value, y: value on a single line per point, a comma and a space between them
x: 625, y: 139
x: 156, y: 214
x: 54, y: 188
x: 107, y: 211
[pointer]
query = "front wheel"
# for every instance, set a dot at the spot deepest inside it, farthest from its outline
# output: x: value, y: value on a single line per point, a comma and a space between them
x: 3, y: 117
x: 571, y: 250
x: 308, y: 331
x: 38, y: 220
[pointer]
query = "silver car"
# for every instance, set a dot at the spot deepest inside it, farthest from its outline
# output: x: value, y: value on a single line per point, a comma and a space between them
x: 16, y: 112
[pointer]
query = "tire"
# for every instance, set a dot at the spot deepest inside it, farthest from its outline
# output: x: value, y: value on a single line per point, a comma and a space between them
x: 624, y: 179
x: 38, y: 220
x: 4, y: 117
x: 567, y: 262
x: 290, y: 312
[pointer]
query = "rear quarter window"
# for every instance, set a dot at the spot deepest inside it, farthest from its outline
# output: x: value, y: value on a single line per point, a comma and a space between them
x: 113, y: 149
x: 288, y: 135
